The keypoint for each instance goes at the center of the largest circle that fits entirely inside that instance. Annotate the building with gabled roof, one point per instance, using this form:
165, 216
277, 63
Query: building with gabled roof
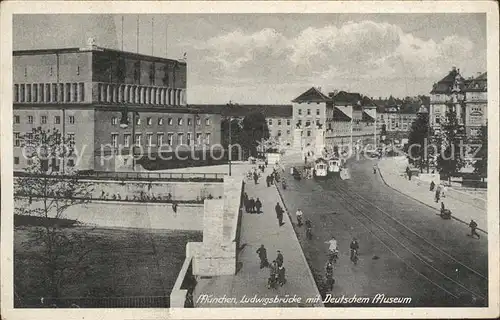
476, 102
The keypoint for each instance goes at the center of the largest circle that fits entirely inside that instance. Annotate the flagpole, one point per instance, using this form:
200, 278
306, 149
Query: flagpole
137, 37
122, 33
152, 35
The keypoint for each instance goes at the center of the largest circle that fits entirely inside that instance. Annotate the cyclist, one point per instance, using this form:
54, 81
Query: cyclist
299, 215
333, 248
329, 275
308, 229
354, 249
374, 168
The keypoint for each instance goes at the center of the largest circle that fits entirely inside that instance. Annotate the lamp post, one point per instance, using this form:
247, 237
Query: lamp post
229, 105
422, 112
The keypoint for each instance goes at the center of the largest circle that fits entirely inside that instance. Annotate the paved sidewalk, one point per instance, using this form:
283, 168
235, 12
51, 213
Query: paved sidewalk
250, 280
392, 172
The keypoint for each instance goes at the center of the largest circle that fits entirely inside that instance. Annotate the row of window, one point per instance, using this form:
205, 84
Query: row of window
270, 121
308, 112
43, 119
308, 123
29, 138
279, 133
109, 92
49, 92
149, 121
160, 139
55, 163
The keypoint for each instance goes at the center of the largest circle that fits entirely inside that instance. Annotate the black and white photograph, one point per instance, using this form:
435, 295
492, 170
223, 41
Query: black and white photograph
253, 161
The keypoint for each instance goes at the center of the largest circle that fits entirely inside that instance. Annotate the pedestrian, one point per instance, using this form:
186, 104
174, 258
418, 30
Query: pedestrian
407, 170
258, 205
409, 175
262, 168
279, 214
174, 207
265, 163
271, 281
262, 252
292, 170
443, 191
245, 196
268, 181
299, 215
438, 193
279, 258
251, 205
473, 227
272, 178
431, 188
281, 275
255, 177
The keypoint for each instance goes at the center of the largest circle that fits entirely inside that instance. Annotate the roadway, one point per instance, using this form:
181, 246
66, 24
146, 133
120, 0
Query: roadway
406, 250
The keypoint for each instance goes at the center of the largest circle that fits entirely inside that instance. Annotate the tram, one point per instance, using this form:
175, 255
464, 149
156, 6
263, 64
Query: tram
320, 168
334, 165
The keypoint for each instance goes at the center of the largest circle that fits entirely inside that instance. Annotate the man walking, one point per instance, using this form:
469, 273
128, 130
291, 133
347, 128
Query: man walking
473, 227
329, 275
299, 215
281, 275
262, 252
279, 259
279, 214
268, 181
255, 177
258, 205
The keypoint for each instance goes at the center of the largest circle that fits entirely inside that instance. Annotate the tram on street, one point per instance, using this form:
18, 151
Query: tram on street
334, 165
320, 168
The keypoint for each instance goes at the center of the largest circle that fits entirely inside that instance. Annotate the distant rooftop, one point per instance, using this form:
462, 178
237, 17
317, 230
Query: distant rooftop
241, 110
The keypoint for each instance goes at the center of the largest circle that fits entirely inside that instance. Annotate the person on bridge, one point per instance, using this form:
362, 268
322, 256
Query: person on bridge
333, 247
433, 185
279, 258
271, 281
329, 276
281, 275
374, 168
473, 227
299, 215
354, 247
279, 214
258, 205
262, 252
251, 205
255, 177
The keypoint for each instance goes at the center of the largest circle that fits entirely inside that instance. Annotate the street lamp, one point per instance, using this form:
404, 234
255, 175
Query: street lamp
422, 112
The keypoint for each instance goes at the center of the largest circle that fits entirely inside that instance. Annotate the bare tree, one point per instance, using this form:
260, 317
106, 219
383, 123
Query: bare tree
45, 190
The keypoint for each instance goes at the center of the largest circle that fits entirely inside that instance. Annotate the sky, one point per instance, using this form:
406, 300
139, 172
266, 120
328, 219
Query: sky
273, 58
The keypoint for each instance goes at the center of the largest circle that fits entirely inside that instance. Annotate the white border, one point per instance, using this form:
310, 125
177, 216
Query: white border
8, 8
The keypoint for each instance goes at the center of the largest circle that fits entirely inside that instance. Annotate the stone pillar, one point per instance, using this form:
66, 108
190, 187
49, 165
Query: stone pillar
213, 223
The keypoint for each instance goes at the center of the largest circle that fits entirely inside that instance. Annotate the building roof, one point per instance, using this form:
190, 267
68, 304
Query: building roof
366, 117
241, 110
347, 98
479, 84
338, 115
93, 49
445, 85
312, 95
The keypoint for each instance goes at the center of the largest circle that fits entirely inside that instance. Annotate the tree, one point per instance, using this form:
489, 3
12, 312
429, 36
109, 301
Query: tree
481, 165
255, 129
45, 193
450, 159
416, 139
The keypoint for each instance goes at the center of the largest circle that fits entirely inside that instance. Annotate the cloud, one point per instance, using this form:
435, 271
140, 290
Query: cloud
356, 51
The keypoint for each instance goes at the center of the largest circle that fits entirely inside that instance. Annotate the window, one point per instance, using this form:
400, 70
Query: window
188, 138
308, 123
114, 121
308, 112
308, 133
169, 121
288, 132
43, 119
149, 138
438, 120
16, 93
180, 137
270, 122
29, 162
17, 139
137, 121
17, 119
207, 138
317, 123
68, 92
21, 94
138, 139
57, 120
71, 162
28, 91
159, 139
279, 133
170, 138
179, 121
198, 121
72, 119
71, 139
317, 112
160, 121
126, 140
299, 122
198, 138
149, 121
35, 93
16, 160
279, 122
30, 119
207, 121
287, 122
300, 112
114, 140
189, 121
